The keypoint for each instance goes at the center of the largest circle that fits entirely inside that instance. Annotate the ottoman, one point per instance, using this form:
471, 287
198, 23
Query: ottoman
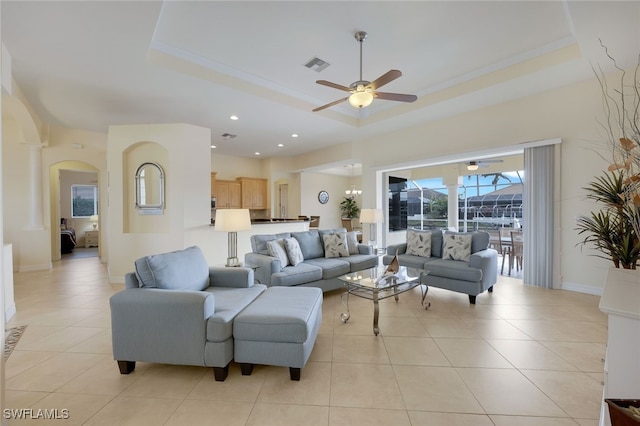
278, 328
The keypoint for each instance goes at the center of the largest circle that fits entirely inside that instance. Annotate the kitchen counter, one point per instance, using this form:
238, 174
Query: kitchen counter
270, 220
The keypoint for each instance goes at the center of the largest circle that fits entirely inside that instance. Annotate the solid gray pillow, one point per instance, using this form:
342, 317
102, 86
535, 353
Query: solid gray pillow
352, 242
310, 243
177, 270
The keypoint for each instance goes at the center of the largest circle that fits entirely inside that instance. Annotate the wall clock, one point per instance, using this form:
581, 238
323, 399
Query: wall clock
323, 197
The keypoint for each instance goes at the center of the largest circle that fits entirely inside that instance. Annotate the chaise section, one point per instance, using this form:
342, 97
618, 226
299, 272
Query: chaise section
279, 328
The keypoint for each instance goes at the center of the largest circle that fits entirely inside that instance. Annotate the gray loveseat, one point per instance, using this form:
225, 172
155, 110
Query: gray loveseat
175, 309
316, 269
472, 276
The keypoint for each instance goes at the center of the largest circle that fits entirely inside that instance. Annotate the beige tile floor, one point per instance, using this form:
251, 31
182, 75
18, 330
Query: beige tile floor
521, 356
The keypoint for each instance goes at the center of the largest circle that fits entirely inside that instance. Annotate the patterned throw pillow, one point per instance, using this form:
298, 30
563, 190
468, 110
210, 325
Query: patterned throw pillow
352, 242
276, 249
456, 246
335, 245
293, 251
419, 243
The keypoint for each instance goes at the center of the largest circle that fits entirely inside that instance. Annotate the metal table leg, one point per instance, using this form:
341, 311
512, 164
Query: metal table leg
376, 310
345, 315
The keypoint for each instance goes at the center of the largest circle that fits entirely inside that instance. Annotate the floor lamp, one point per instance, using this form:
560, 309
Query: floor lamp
232, 221
372, 217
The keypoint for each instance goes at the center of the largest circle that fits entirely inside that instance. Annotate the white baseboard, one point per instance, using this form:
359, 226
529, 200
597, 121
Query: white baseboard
581, 288
9, 312
32, 268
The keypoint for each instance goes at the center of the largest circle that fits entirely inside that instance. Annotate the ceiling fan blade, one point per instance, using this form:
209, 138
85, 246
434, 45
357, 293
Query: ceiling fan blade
330, 104
334, 85
396, 97
388, 77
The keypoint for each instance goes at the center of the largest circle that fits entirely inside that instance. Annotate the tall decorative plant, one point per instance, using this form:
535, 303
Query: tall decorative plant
615, 228
349, 208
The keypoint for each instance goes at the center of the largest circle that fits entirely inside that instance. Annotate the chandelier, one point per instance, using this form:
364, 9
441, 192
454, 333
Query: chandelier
353, 192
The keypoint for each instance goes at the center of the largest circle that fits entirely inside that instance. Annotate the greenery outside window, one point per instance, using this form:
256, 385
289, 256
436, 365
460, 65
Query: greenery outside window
84, 200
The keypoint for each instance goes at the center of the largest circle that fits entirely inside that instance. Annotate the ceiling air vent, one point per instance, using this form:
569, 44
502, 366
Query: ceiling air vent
316, 64
226, 136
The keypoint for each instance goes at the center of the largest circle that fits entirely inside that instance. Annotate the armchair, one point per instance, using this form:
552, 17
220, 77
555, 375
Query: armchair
175, 309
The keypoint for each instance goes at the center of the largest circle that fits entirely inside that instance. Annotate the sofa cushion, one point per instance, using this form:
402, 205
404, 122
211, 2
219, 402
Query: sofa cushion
259, 242
453, 270
335, 245
331, 267
479, 240
456, 246
177, 270
294, 253
310, 243
352, 242
277, 249
359, 262
300, 274
419, 243
410, 260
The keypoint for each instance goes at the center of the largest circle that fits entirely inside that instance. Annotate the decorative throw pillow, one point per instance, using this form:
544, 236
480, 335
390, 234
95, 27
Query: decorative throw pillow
456, 246
419, 243
335, 245
276, 249
352, 242
294, 253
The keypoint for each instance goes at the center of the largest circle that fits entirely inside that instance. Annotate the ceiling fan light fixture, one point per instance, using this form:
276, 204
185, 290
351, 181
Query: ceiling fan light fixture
472, 166
360, 99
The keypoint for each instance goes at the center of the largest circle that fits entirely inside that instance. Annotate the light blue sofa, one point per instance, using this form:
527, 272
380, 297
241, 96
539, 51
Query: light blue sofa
477, 275
175, 309
316, 270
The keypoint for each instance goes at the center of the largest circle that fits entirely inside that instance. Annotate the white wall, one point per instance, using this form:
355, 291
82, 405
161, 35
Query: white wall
187, 182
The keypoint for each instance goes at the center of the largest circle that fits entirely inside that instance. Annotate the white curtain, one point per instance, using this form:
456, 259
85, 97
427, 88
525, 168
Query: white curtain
538, 216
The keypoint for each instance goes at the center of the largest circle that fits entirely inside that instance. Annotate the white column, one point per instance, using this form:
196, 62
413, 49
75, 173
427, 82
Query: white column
35, 187
452, 206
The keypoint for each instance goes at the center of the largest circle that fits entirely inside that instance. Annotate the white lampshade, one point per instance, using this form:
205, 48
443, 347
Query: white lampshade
371, 216
360, 99
232, 220
94, 218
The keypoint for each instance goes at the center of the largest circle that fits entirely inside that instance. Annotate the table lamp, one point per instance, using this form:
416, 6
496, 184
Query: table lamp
94, 221
372, 217
232, 221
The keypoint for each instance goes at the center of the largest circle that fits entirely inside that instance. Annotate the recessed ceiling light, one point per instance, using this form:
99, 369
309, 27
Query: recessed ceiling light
280, 145
213, 146
257, 153
294, 135
234, 117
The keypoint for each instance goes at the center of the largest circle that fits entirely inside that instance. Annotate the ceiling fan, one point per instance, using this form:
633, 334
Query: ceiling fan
362, 91
474, 165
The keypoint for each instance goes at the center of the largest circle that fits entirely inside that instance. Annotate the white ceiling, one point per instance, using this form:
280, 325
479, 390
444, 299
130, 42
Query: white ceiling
91, 64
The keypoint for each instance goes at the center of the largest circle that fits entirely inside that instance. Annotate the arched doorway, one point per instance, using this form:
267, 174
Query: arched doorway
65, 178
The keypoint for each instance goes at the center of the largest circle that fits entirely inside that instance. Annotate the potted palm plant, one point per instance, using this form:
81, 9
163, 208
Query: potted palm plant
615, 228
349, 208
611, 229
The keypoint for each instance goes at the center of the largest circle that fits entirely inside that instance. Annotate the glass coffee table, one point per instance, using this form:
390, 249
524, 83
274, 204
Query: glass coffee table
371, 284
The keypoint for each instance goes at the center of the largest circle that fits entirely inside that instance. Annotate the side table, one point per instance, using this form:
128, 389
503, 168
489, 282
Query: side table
91, 239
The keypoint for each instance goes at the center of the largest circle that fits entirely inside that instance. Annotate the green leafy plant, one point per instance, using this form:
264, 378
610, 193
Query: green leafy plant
611, 229
349, 208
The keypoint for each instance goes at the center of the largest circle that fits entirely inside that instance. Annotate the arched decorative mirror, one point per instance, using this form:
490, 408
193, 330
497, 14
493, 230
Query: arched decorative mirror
150, 189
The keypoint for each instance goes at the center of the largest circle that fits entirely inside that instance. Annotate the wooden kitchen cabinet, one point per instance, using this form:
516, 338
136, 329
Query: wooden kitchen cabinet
254, 193
213, 184
228, 194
